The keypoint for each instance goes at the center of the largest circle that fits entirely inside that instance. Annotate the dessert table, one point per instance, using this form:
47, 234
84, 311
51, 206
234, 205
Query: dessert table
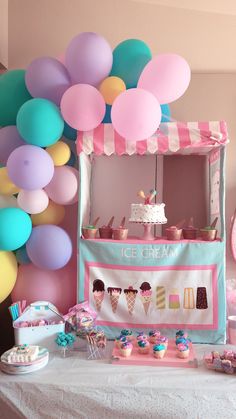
75, 387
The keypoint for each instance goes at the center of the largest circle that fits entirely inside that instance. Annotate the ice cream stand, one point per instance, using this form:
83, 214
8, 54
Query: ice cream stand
141, 283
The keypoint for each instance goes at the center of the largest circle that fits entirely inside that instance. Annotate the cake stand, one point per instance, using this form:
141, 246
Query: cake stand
147, 234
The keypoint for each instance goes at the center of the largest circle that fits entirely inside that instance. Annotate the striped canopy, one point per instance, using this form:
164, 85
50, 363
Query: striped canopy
170, 138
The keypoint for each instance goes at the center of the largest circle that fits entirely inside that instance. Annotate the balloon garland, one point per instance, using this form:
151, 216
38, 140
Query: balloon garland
41, 110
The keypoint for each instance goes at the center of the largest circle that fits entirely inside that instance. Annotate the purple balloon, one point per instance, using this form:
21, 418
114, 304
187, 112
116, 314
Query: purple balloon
47, 78
30, 167
9, 140
88, 58
49, 247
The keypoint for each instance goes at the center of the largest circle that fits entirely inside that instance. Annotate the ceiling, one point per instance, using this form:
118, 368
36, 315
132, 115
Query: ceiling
226, 7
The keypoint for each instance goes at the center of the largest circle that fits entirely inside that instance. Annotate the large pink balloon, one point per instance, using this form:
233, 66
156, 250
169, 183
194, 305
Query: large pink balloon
88, 58
63, 188
83, 107
58, 287
167, 76
136, 114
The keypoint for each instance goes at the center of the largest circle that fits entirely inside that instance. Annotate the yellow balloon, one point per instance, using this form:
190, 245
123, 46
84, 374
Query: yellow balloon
8, 273
7, 187
110, 88
53, 214
59, 152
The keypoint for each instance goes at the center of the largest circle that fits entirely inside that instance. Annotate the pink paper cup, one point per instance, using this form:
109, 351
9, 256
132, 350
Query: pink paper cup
232, 329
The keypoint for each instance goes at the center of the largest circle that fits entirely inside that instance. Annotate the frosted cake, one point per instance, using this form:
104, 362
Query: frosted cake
23, 353
148, 212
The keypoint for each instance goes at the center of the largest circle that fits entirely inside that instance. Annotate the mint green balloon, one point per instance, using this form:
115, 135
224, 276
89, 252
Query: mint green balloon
129, 60
13, 93
39, 122
15, 228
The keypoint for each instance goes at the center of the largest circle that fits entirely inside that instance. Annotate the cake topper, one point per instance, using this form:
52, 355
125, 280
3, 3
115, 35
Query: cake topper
147, 199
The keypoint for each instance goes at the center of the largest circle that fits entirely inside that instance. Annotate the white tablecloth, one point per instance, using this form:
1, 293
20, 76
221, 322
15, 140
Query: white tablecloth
74, 387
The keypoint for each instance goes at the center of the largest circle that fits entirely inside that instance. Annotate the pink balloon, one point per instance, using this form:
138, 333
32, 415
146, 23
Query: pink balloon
136, 114
83, 107
167, 76
63, 188
58, 287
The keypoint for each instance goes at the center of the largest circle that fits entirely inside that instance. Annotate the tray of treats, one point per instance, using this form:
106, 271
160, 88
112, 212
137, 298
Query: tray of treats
225, 362
154, 350
22, 359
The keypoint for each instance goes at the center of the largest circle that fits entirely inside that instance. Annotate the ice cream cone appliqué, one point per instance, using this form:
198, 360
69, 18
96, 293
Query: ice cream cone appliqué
130, 295
114, 297
98, 293
146, 296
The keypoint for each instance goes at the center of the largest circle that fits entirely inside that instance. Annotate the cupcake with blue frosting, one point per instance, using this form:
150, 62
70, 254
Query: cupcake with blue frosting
159, 351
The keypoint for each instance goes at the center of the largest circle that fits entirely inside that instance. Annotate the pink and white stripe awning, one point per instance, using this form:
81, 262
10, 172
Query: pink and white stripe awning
170, 138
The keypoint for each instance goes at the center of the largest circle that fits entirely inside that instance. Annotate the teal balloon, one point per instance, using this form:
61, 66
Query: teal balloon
71, 162
22, 257
165, 112
69, 132
107, 117
15, 228
39, 122
129, 59
13, 94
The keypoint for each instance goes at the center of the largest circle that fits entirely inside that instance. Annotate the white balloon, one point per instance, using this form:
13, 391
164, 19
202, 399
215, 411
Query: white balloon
8, 201
33, 202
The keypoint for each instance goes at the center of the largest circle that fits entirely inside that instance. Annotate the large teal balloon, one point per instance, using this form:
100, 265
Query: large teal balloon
13, 93
129, 59
15, 228
70, 132
39, 122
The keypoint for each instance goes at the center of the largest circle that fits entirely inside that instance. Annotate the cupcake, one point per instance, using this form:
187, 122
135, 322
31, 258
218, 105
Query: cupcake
141, 336
127, 333
119, 340
182, 351
162, 340
126, 349
159, 351
106, 231
154, 335
173, 233
143, 346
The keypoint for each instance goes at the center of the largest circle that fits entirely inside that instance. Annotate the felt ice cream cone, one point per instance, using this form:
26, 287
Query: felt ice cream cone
130, 295
146, 301
98, 293
146, 296
114, 297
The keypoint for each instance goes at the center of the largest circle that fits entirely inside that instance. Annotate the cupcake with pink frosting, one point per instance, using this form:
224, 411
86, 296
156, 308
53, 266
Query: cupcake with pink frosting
182, 351
126, 349
141, 336
154, 335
